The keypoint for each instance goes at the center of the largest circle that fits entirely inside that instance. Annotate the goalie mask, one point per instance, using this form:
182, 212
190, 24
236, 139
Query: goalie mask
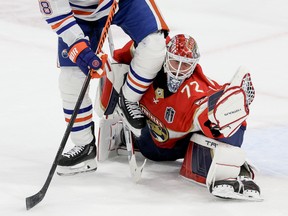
181, 59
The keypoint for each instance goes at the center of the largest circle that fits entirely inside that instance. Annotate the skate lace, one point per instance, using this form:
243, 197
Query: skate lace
133, 109
74, 151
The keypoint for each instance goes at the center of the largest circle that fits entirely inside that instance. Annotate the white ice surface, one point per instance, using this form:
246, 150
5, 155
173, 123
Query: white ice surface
229, 33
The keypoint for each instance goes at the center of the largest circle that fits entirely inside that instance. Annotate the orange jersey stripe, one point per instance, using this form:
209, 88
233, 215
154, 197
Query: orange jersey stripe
79, 12
80, 119
163, 23
55, 26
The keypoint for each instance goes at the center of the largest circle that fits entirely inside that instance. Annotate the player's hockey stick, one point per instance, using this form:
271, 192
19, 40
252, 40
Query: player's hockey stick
36, 198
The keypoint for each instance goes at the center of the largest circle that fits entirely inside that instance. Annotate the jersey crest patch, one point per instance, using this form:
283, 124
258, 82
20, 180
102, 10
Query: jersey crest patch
157, 129
169, 114
159, 133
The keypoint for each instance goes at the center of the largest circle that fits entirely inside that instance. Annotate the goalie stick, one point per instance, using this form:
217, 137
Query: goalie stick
36, 198
135, 171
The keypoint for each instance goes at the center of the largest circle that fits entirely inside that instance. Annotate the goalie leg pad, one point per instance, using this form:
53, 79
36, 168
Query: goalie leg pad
226, 163
108, 137
229, 176
225, 179
196, 163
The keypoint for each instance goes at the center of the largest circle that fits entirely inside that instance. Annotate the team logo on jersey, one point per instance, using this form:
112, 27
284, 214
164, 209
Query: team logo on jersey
64, 53
169, 114
159, 133
157, 129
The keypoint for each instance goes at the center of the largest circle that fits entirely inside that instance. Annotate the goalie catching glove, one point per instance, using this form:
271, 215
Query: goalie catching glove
229, 108
81, 54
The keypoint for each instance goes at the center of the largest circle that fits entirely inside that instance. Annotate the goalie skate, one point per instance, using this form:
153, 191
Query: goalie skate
241, 189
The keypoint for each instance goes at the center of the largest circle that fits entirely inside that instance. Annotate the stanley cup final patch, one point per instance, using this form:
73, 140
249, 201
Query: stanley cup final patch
169, 114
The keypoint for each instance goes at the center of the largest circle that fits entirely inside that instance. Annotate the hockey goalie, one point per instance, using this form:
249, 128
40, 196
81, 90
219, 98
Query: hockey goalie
188, 116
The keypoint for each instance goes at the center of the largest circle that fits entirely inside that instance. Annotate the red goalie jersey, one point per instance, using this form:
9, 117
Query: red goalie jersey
199, 104
173, 116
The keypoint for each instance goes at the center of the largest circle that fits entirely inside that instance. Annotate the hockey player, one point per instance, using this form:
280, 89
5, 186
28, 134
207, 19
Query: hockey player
78, 25
193, 117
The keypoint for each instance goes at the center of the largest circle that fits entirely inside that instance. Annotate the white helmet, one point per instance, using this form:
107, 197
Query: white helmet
181, 59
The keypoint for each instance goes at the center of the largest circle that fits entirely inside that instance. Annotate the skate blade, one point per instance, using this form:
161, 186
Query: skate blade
83, 167
237, 196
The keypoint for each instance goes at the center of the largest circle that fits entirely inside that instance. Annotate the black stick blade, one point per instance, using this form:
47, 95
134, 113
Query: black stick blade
34, 200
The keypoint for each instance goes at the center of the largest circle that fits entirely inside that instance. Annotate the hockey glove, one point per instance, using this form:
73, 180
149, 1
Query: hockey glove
81, 54
101, 71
